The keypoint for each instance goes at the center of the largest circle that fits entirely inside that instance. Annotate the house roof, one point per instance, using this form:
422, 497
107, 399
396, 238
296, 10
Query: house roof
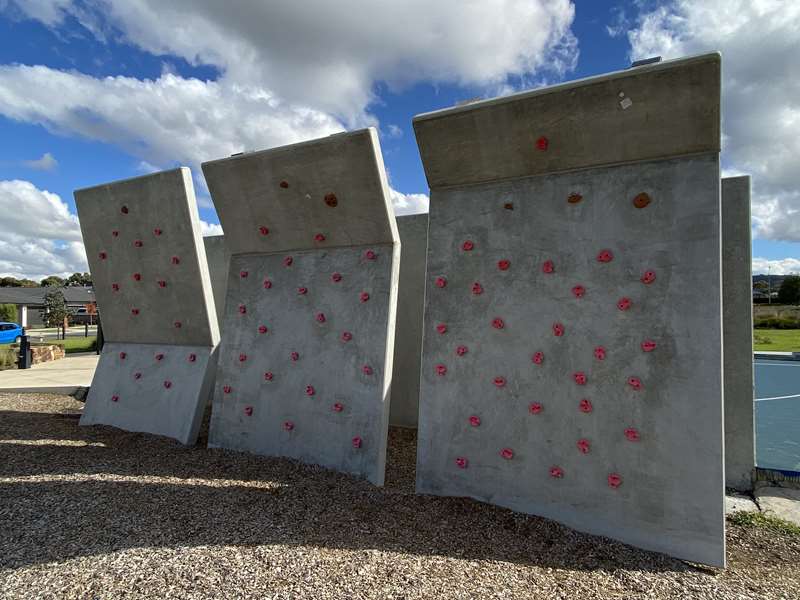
76, 295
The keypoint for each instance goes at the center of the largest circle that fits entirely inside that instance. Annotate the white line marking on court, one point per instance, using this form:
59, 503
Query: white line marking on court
778, 398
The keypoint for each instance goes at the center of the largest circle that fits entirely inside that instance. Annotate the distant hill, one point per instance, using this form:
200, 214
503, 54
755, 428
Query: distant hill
775, 280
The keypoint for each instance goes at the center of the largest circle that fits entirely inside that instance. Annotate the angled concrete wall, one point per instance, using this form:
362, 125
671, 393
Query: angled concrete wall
148, 264
218, 261
306, 357
737, 327
572, 363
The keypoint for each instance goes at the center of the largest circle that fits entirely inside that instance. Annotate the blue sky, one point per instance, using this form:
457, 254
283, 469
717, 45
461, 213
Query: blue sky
97, 90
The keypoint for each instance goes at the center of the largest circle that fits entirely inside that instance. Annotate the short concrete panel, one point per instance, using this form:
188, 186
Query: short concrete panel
306, 357
218, 258
572, 360
737, 327
148, 263
410, 309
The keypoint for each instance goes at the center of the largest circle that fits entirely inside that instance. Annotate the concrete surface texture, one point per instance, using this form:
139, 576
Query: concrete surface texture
218, 259
148, 263
63, 376
306, 357
781, 502
572, 363
410, 309
737, 330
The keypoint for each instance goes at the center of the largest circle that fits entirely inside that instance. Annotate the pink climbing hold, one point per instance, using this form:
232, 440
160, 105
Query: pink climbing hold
632, 434
624, 303
507, 453
535, 408
103, 255
310, 391
583, 446
346, 336
319, 237
556, 472
498, 323
134, 311
441, 370
504, 264
248, 410
600, 353
467, 245
461, 350
175, 260
363, 296
122, 355
287, 262
366, 369
115, 398
262, 329
462, 462
441, 282
157, 231
243, 274
115, 287
242, 309
475, 421
580, 378
337, 407
192, 357
648, 277
177, 324
263, 230
548, 267
302, 291
124, 210
605, 256
288, 425
137, 276
137, 375
635, 383
242, 357
138, 243
477, 288
159, 356
370, 255
537, 358
357, 442
499, 381
585, 406
579, 291
268, 376
267, 284
295, 356
558, 329
441, 328
115, 233
614, 480
648, 346
320, 317
226, 389
542, 143
162, 283
336, 277
167, 384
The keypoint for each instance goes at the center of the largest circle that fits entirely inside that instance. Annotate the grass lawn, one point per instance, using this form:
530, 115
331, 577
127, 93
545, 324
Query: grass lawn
777, 340
77, 344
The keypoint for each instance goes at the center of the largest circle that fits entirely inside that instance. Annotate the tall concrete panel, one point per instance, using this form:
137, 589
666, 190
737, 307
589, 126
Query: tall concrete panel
572, 342
737, 329
218, 261
306, 357
148, 264
410, 309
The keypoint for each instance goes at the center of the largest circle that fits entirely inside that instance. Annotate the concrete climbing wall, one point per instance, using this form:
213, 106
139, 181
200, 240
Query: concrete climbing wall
306, 358
218, 261
572, 362
410, 308
148, 264
737, 327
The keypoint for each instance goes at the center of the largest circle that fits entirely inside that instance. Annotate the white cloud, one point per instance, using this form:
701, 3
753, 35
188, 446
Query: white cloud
409, 204
208, 229
39, 236
46, 163
780, 266
393, 131
760, 42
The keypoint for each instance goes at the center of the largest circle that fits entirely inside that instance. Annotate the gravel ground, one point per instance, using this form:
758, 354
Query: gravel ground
100, 513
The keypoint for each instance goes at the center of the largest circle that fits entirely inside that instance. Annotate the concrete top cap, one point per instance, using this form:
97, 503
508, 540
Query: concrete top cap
662, 110
325, 193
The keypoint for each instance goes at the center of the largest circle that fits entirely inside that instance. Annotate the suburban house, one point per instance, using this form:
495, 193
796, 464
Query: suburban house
30, 301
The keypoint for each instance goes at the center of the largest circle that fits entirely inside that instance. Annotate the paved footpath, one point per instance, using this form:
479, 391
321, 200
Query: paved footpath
63, 376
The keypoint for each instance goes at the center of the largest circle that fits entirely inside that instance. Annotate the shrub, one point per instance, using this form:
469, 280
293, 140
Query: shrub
8, 358
8, 312
773, 322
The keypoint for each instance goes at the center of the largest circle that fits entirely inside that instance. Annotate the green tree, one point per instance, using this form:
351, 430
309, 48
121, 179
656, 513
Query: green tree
14, 282
789, 293
79, 279
55, 309
761, 286
8, 313
52, 281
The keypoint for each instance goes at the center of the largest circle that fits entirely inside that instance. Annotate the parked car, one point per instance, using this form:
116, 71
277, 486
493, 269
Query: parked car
10, 333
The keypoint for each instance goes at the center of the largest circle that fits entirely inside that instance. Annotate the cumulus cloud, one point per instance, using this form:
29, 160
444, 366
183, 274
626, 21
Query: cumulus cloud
409, 204
39, 236
781, 266
209, 229
46, 163
760, 42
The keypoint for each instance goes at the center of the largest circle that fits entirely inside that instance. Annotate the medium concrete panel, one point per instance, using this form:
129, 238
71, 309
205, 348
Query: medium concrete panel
306, 358
410, 309
218, 260
572, 343
737, 326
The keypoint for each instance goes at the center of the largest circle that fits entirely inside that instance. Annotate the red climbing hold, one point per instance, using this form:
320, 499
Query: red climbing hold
175, 260
366, 369
115, 233
556, 472
302, 291
580, 378
498, 323
467, 245
319, 237
331, 200
579, 291
115, 398
600, 353
614, 480
124, 210
167, 384
370, 255
284, 184
295, 356
159, 356
243, 274
134, 311
477, 288
226, 389
624, 303
192, 357
336, 277
475, 421
635, 383
632, 434
242, 357
441, 282
503, 265
287, 262
648, 346
585, 406
605, 256
103, 255
320, 318
441, 328
441, 370
558, 329
548, 267
267, 284
338, 407
177, 324
263, 230
357, 442
583, 446
535, 408
461, 350
648, 277
248, 410
242, 309
157, 231
115, 287
346, 336
138, 244
268, 376
310, 391
122, 355
537, 358
137, 375
137, 276
542, 143
262, 329
499, 381
363, 296
507, 453
462, 462
288, 425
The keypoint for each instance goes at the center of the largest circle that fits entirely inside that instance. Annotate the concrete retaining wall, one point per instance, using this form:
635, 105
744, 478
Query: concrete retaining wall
146, 255
218, 260
737, 325
572, 363
306, 358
